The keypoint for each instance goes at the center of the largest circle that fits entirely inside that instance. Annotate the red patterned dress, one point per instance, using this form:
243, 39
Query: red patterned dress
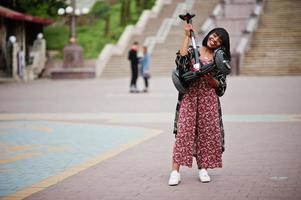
199, 130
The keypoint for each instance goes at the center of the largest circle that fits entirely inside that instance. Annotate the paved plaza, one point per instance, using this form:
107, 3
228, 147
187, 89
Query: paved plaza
92, 139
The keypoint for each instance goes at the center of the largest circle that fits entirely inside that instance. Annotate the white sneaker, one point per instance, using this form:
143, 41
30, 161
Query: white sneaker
203, 175
174, 178
133, 89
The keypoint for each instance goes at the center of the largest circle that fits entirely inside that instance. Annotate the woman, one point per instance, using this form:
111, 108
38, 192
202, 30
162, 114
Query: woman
145, 69
198, 124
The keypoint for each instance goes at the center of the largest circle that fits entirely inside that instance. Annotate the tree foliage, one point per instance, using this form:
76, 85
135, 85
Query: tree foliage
125, 14
102, 10
143, 5
130, 13
41, 8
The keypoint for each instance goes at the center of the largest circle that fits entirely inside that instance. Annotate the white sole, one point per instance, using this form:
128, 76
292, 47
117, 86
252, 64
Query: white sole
174, 184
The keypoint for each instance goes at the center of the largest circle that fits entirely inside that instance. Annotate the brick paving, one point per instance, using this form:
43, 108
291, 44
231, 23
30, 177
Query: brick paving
262, 124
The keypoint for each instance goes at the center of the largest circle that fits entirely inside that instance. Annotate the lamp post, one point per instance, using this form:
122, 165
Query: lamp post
73, 53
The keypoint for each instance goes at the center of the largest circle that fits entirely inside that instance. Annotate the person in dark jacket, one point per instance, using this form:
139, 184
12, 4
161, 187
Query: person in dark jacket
134, 59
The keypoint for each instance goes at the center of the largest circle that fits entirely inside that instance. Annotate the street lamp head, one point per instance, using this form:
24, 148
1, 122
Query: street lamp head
12, 39
69, 10
40, 36
85, 11
61, 11
77, 12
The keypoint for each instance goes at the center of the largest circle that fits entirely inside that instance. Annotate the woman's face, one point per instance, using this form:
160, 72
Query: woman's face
214, 41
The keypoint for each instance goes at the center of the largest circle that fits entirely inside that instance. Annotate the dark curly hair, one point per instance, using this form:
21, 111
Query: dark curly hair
224, 35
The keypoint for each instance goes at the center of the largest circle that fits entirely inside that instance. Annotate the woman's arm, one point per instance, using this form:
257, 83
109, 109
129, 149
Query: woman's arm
185, 54
184, 49
212, 81
218, 83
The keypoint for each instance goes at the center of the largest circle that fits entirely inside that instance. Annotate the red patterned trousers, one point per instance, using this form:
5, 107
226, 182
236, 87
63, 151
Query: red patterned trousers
199, 132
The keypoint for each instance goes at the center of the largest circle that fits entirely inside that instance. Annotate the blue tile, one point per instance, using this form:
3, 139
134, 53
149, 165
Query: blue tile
66, 146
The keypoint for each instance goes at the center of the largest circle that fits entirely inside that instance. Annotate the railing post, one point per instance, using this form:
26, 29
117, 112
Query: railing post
235, 64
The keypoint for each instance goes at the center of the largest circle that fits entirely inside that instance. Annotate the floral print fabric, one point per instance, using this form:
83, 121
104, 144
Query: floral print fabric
199, 130
198, 123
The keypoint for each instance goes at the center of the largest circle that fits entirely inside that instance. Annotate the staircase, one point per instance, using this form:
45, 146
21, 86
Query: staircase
163, 55
118, 65
276, 45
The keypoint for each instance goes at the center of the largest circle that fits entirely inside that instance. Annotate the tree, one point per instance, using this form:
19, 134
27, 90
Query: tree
125, 16
102, 10
41, 8
148, 4
139, 6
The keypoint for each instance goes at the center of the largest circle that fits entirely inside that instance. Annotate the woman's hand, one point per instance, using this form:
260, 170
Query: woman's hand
211, 80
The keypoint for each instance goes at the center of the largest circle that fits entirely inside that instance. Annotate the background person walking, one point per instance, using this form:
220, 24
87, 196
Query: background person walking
134, 60
145, 68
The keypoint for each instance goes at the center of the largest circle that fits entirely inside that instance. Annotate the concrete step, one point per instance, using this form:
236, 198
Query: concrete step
163, 56
268, 71
150, 30
275, 49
